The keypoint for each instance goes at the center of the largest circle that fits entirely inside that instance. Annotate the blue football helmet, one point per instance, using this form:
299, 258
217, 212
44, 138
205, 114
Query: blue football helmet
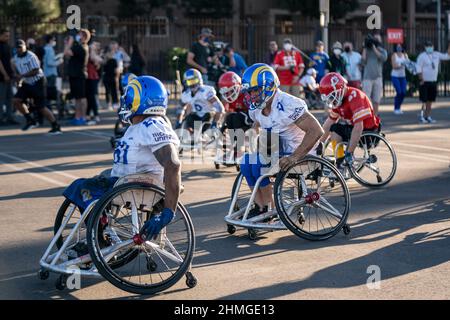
144, 95
259, 84
192, 79
126, 78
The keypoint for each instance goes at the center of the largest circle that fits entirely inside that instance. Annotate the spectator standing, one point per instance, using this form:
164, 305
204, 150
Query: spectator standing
31, 85
337, 63
398, 76
6, 74
271, 54
78, 52
373, 58
233, 61
428, 70
200, 55
289, 66
50, 66
137, 62
353, 66
320, 60
93, 77
111, 76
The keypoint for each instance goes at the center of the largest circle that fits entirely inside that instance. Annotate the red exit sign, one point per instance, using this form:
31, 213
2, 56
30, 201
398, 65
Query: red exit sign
395, 36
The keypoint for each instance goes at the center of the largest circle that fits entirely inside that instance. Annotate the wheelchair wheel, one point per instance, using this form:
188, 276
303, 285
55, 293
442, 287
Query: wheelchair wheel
312, 199
172, 251
375, 161
244, 192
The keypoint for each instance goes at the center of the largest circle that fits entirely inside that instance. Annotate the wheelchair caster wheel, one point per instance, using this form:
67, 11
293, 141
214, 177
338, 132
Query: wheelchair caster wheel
252, 234
217, 166
151, 265
346, 229
231, 229
191, 281
61, 282
43, 274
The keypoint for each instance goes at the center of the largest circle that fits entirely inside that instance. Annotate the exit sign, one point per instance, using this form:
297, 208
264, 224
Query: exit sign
395, 36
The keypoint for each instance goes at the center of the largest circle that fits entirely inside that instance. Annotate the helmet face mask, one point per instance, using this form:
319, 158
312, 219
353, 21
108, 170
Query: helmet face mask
255, 98
230, 86
193, 80
230, 94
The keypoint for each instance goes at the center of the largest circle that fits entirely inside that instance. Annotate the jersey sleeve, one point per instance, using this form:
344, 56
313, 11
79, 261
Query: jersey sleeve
360, 107
186, 97
291, 109
209, 92
157, 133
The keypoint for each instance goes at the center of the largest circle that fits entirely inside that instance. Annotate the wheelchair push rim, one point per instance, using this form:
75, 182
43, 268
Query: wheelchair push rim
158, 263
312, 199
375, 161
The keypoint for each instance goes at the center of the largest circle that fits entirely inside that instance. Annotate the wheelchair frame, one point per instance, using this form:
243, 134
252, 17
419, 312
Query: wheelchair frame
59, 263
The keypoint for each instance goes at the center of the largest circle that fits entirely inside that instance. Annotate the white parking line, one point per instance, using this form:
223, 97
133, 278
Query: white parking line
420, 146
35, 165
417, 156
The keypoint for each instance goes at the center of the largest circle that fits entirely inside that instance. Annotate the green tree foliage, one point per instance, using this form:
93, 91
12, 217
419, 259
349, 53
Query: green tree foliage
39, 9
310, 8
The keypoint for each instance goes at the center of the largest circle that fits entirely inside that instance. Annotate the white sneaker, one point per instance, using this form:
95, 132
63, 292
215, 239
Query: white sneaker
91, 123
97, 119
430, 120
422, 120
398, 112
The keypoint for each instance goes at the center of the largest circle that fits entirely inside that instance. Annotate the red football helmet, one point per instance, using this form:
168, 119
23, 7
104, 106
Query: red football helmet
333, 87
230, 86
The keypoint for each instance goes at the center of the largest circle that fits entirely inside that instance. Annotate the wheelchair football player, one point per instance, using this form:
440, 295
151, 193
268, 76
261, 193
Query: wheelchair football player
128, 226
287, 186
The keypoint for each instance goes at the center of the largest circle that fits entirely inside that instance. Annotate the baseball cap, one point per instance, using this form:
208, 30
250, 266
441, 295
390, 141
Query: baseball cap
319, 43
20, 43
206, 32
428, 43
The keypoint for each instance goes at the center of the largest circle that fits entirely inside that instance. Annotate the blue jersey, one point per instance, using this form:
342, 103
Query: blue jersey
320, 63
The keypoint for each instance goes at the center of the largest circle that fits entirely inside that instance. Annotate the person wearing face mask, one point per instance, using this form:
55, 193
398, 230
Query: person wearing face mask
353, 66
50, 66
201, 54
398, 76
373, 58
289, 66
428, 70
337, 62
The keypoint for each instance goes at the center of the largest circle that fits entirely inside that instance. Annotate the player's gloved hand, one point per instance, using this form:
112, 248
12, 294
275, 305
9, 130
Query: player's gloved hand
349, 158
154, 226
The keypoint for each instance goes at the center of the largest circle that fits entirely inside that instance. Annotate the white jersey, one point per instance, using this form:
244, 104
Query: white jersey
135, 151
200, 101
286, 110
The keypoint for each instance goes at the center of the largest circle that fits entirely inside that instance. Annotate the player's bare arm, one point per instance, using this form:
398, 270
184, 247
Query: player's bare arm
167, 156
313, 131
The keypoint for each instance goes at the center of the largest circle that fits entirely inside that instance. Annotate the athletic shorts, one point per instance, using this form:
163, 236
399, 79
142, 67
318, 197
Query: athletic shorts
345, 130
77, 87
193, 117
34, 91
428, 92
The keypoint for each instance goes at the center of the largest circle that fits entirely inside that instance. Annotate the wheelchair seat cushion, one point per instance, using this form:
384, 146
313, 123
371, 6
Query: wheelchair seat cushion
83, 192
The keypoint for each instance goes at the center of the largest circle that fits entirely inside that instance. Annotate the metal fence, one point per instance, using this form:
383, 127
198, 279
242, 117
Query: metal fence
157, 36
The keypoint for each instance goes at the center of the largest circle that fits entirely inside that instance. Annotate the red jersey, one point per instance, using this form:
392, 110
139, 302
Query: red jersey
238, 105
293, 59
356, 107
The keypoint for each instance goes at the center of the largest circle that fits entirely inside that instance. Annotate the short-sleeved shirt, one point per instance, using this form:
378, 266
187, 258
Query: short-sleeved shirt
320, 63
201, 54
356, 107
5, 58
425, 63
292, 59
200, 100
353, 62
77, 67
27, 63
286, 110
135, 151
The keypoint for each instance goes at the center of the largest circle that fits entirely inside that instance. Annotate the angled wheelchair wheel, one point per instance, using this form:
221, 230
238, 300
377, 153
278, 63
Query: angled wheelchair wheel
68, 208
375, 161
312, 199
113, 233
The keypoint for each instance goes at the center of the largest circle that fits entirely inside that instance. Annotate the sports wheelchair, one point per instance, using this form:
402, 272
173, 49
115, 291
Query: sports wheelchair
375, 161
311, 200
103, 240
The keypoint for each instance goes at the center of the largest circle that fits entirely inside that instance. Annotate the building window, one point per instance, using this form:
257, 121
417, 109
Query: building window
284, 24
158, 27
